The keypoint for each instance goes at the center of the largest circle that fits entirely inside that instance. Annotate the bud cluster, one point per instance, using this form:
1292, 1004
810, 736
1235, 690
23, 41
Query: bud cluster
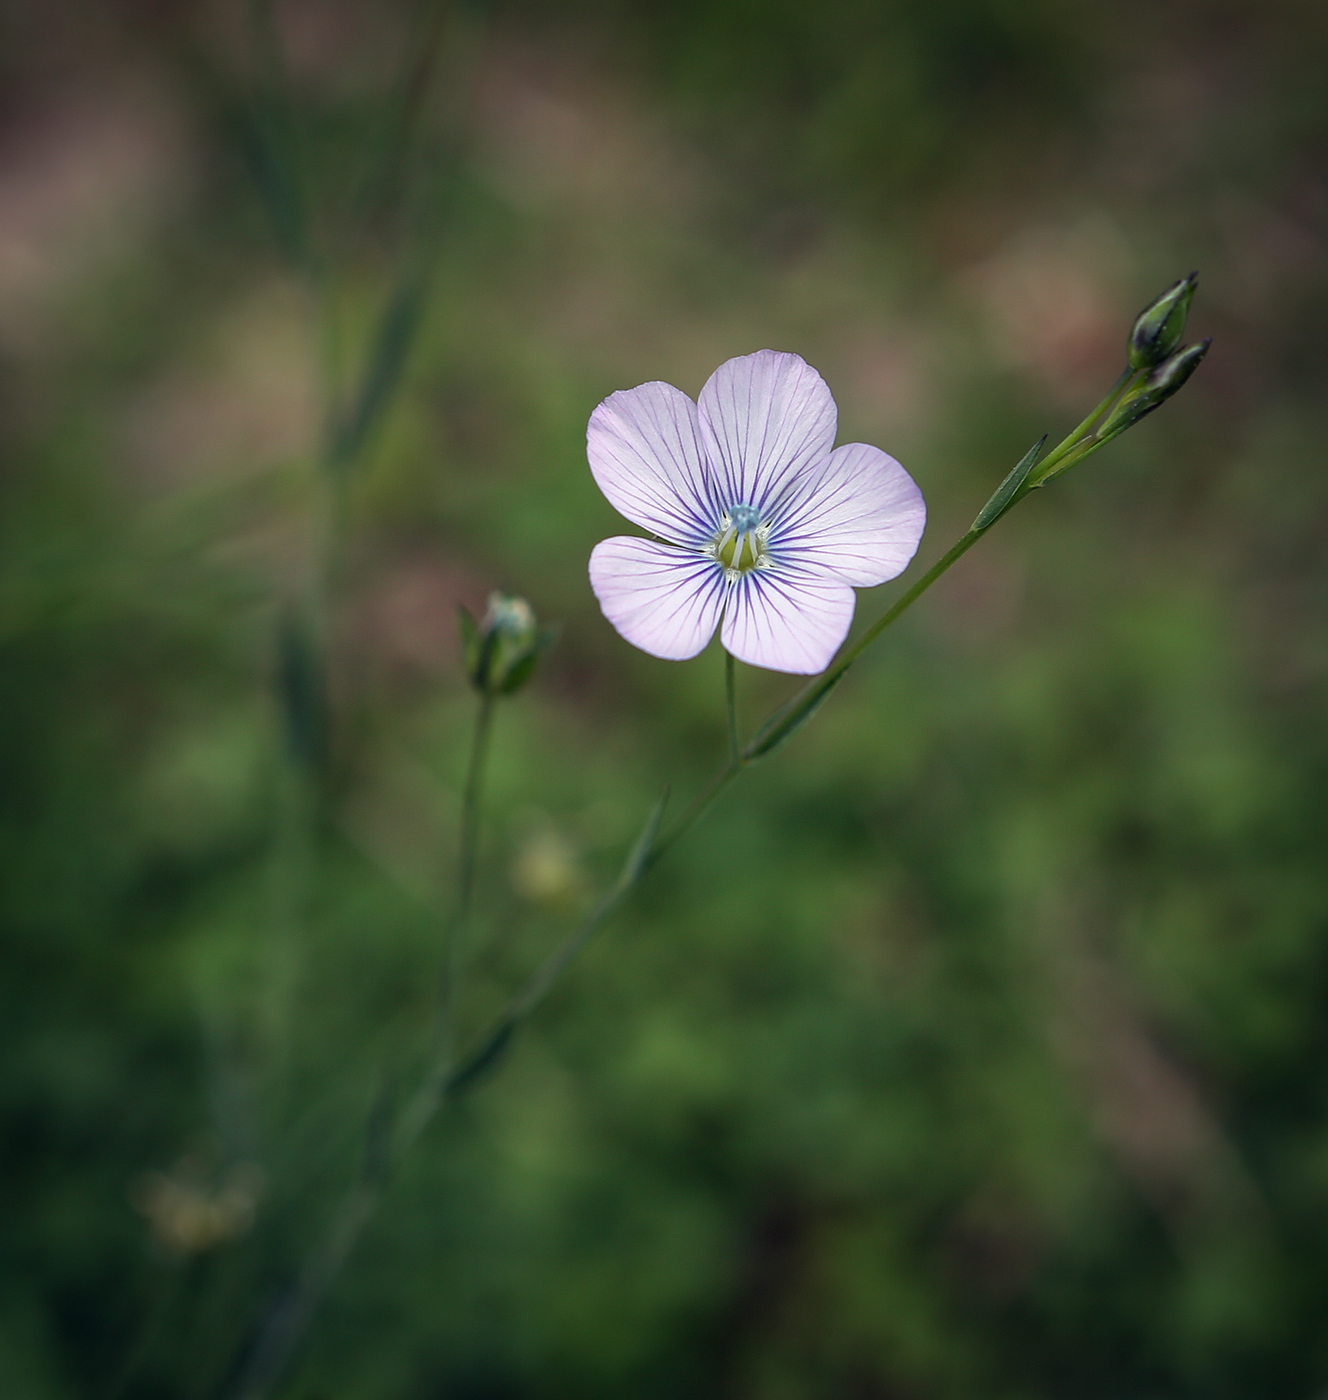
1153, 391
1156, 370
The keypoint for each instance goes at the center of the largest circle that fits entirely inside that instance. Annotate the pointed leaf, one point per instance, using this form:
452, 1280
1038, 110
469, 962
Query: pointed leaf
522, 667
639, 856
1000, 501
784, 727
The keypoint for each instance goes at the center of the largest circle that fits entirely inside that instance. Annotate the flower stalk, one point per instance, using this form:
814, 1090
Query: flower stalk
731, 704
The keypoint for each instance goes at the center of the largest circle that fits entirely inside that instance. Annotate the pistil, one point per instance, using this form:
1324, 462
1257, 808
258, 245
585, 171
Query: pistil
739, 547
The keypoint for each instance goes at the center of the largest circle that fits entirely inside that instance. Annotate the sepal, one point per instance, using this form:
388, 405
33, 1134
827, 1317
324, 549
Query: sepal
1159, 326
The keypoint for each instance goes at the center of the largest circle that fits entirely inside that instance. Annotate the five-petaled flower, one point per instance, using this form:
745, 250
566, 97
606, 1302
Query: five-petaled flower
760, 520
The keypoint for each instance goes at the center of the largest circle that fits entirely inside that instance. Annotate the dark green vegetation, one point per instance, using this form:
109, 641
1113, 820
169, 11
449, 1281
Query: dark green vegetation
977, 1044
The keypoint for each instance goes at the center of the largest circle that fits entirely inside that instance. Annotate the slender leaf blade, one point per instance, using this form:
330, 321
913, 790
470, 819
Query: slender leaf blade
1004, 494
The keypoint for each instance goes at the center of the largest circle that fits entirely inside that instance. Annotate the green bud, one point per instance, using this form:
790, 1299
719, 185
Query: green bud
1159, 326
504, 647
1159, 385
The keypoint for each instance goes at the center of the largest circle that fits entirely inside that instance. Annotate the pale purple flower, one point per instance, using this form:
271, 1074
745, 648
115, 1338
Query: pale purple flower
760, 520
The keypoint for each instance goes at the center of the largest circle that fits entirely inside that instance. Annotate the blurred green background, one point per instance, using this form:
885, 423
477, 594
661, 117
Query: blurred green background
977, 1045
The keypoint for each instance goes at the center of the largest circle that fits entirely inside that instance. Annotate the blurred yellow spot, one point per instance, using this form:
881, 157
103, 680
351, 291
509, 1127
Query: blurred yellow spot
545, 870
188, 1214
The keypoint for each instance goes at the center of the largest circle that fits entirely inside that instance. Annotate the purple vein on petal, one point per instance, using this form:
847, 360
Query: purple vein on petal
787, 619
646, 455
859, 516
664, 600
765, 418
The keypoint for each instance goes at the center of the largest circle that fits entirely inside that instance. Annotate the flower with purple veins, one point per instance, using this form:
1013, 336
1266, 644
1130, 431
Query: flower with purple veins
760, 521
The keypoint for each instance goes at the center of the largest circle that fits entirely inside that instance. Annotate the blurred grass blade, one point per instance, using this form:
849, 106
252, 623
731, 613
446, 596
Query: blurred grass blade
1005, 492
302, 687
382, 376
270, 144
377, 1159
261, 140
390, 154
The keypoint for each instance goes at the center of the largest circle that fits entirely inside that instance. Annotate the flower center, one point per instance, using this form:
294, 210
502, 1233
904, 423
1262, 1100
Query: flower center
739, 546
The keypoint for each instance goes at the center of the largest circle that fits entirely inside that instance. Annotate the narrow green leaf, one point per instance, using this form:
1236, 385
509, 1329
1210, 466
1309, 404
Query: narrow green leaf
639, 856
270, 145
263, 150
784, 727
1000, 501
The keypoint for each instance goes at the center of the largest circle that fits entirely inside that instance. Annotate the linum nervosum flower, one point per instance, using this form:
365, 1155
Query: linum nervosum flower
760, 522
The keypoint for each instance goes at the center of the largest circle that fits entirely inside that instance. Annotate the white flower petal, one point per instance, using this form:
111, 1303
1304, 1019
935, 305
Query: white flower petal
860, 516
765, 418
646, 455
787, 619
665, 601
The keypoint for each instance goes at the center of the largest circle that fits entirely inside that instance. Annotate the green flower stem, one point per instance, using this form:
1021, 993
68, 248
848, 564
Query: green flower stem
731, 701
467, 848
1117, 389
1056, 457
650, 851
701, 804
795, 712
445, 1078
470, 807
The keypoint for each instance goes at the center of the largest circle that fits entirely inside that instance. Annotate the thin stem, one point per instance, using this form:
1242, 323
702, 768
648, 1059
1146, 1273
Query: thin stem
467, 848
892, 614
470, 808
814, 691
701, 804
1072, 439
731, 701
289, 1316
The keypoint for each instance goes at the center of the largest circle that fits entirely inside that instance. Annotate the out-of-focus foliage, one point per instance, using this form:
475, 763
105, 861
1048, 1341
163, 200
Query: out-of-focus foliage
977, 1045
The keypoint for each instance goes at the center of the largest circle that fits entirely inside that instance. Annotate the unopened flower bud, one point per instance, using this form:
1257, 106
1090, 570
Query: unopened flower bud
1159, 385
1159, 326
504, 647
511, 618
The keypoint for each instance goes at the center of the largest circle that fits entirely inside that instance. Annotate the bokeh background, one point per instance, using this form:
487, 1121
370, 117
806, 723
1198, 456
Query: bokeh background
977, 1045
